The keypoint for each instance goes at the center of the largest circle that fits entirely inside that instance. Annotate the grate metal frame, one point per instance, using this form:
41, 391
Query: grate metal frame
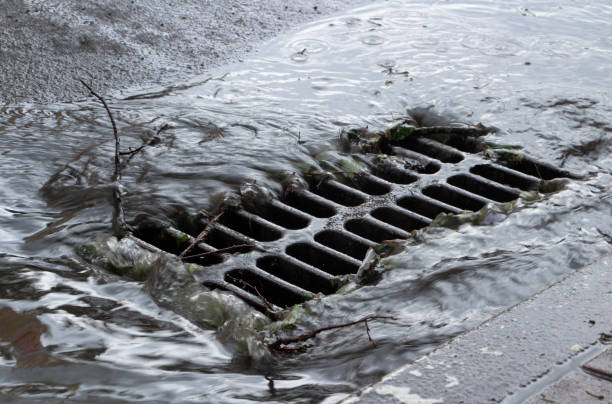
300, 244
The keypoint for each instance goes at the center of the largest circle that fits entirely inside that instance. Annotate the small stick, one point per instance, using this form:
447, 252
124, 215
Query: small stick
278, 344
131, 153
265, 301
117, 174
368, 332
219, 251
120, 228
201, 236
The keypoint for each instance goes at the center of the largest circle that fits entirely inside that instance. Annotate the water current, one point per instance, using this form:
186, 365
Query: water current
540, 74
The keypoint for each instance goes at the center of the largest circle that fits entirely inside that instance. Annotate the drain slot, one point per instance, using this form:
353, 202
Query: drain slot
367, 184
297, 275
466, 144
250, 225
281, 215
433, 149
219, 238
255, 284
471, 184
322, 259
338, 193
373, 231
425, 207
397, 218
416, 162
394, 174
527, 165
454, 197
344, 243
312, 204
505, 176
175, 242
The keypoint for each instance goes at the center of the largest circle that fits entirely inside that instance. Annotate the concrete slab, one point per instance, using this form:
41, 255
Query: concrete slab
601, 365
510, 356
573, 389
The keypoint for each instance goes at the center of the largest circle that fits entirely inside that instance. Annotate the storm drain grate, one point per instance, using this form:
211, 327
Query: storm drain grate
289, 249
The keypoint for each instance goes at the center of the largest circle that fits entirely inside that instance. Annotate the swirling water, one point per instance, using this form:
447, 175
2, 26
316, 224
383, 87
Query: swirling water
541, 75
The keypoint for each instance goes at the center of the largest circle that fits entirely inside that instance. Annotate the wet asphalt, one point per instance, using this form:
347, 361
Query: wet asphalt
120, 44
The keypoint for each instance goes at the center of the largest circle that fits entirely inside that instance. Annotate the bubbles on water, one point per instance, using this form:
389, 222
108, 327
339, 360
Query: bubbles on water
300, 57
425, 42
306, 47
559, 47
373, 40
351, 21
493, 45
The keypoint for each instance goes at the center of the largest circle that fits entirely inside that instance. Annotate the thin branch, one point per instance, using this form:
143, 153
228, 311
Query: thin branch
278, 344
117, 174
368, 332
219, 251
201, 236
144, 144
120, 228
244, 283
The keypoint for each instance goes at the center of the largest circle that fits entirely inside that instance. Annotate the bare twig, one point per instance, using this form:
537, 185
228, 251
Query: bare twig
244, 283
219, 251
278, 344
144, 144
117, 173
119, 225
368, 332
201, 236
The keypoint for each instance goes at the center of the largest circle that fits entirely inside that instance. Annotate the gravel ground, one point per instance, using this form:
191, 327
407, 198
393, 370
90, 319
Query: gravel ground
44, 44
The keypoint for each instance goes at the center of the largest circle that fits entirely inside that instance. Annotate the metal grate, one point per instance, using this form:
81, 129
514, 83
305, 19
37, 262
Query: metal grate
295, 247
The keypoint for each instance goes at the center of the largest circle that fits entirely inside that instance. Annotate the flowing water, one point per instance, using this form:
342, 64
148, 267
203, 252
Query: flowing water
541, 75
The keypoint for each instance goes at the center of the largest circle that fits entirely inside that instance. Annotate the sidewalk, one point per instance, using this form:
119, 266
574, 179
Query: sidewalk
555, 347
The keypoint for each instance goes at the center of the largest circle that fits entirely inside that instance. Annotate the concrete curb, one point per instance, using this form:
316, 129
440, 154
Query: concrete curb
514, 355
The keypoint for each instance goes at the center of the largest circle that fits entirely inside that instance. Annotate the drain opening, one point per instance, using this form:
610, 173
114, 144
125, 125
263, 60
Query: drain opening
174, 242
338, 193
278, 214
295, 274
394, 174
468, 144
504, 176
424, 207
219, 238
527, 165
322, 259
343, 243
433, 149
249, 225
309, 203
415, 161
453, 197
397, 218
367, 184
255, 284
372, 230
476, 186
